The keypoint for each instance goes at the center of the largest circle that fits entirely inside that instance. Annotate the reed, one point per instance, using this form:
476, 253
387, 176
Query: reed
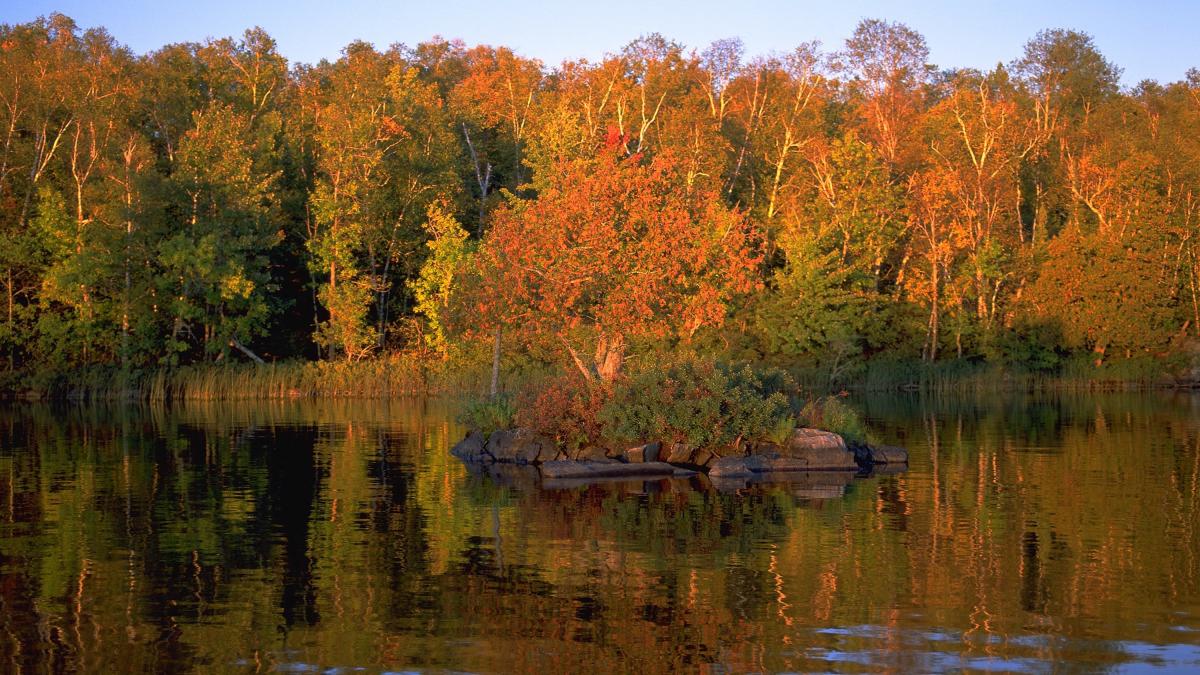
385, 377
960, 377
411, 373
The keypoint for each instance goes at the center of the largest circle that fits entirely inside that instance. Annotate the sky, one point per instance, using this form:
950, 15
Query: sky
1152, 39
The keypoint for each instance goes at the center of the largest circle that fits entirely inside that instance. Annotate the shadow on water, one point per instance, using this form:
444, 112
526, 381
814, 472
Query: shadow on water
1030, 532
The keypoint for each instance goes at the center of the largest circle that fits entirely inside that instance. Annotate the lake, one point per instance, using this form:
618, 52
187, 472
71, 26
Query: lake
1029, 533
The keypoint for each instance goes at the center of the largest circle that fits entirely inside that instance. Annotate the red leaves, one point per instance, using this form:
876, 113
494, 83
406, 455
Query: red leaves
618, 245
614, 138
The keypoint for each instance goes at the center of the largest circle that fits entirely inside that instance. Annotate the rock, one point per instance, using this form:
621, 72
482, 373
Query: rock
730, 483
888, 454
501, 444
471, 449
643, 453
703, 457
520, 446
805, 439
727, 467
679, 454
862, 454
732, 467
814, 449
764, 448
1189, 374
572, 469
770, 463
592, 453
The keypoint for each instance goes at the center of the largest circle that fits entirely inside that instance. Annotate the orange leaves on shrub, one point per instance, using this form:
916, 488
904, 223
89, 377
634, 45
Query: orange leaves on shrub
563, 408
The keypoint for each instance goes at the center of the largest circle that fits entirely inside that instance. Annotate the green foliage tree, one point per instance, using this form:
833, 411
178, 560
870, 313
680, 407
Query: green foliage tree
433, 288
214, 261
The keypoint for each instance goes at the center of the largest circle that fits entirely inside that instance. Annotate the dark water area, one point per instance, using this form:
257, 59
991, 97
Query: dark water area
1029, 534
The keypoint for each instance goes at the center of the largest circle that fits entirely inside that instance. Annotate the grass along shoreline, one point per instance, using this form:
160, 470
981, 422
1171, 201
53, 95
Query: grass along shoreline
407, 374
385, 377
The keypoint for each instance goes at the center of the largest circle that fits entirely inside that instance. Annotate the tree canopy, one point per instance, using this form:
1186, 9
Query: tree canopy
210, 201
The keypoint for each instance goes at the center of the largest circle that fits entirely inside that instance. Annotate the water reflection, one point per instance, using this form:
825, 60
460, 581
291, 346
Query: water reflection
1028, 532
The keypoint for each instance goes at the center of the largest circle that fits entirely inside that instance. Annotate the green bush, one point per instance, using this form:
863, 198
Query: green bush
784, 426
831, 414
489, 414
696, 402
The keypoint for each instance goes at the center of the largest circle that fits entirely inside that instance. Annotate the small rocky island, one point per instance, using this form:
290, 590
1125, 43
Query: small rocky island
804, 450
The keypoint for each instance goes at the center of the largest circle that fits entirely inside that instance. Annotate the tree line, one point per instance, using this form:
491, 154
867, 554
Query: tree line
210, 201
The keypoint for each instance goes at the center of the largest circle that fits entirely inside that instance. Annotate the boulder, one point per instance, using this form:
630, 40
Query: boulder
804, 439
735, 467
764, 448
471, 449
679, 453
888, 454
592, 453
501, 444
862, 454
703, 457
520, 446
560, 469
769, 463
814, 450
643, 453
728, 467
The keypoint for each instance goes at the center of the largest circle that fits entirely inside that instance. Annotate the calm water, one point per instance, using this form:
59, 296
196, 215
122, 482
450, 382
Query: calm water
1030, 534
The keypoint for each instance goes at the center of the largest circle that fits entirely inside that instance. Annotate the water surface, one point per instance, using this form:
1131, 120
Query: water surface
1030, 533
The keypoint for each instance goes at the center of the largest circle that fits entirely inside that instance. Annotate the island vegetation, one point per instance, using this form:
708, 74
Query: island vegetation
208, 220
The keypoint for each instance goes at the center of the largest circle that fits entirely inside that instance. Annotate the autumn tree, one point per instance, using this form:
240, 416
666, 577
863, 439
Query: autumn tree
1172, 113
887, 65
612, 251
840, 248
1066, 78
39, 66
933, 219
496, 100
777, 106
1098, 296
657, 96
979, 139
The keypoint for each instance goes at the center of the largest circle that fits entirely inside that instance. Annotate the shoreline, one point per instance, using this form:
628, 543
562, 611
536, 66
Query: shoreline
961, 386
411, 374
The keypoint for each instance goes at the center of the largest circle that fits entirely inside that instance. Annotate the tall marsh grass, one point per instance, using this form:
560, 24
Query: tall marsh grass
385, 377
960, 377
406, 373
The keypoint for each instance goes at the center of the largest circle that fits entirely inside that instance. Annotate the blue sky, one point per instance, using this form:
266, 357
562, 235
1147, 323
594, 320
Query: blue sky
1151, 39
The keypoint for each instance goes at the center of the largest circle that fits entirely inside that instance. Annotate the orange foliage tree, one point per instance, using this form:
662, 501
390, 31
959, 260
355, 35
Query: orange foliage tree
614, 249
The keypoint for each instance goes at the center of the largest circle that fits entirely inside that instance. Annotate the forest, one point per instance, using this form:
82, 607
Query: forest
828, 210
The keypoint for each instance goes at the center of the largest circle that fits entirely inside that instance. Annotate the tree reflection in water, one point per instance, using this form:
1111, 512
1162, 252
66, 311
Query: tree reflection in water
1028, 530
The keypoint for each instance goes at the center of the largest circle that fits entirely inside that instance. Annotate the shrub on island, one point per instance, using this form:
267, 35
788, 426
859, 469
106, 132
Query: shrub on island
683, 412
